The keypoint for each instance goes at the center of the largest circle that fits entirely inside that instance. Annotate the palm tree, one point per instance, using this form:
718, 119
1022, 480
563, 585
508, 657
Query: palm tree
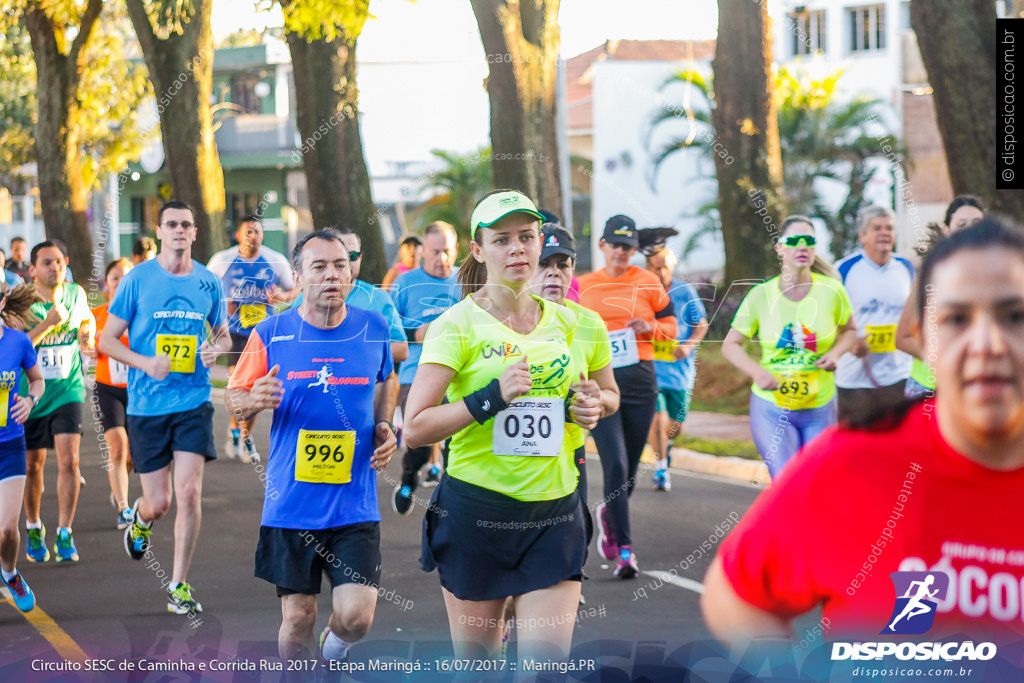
821, 138
458, 185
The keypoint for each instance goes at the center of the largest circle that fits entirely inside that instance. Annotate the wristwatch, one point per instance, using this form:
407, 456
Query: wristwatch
390, 426
34, 399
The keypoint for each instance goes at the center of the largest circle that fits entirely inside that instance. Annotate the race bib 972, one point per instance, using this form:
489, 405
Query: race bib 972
181, 348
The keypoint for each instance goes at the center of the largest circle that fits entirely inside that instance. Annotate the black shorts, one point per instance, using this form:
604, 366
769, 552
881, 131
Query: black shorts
112, 403
154, 438
486, 545
238, 342
295, 560
65, 419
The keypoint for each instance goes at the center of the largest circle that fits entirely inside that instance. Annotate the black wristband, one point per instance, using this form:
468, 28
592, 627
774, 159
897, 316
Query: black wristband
485, 403
568, 402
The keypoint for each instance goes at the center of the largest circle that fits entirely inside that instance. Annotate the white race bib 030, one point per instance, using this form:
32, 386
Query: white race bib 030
55, 362
624, 348
530, 426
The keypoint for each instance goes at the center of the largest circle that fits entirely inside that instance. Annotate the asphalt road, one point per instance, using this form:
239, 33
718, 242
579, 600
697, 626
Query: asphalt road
112, 609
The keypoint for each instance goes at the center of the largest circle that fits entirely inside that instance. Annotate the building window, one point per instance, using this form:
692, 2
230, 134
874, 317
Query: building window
867, 28
240, 205
808, 32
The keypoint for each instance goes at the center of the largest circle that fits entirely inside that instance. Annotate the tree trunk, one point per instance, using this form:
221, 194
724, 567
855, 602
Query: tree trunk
963, 82
63, 193
522, 41
747, 127
327, 116
181, 70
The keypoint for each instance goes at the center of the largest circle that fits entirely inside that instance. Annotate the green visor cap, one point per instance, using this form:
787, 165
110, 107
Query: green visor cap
493, 208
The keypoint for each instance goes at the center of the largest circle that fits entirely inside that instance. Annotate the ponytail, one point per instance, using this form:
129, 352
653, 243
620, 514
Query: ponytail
17, 312
472, 275
823, 267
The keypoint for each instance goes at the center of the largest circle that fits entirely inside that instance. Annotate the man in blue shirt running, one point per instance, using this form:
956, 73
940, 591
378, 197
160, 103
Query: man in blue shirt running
166, 304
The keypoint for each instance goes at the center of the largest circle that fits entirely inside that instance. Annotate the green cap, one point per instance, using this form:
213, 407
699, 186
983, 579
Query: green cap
493, 208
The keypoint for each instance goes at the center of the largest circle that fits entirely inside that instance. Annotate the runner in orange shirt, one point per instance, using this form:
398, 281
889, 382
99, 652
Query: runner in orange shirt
110, 401
637, 310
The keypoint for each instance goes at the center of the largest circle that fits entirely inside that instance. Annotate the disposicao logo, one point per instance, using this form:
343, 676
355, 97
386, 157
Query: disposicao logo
917, 597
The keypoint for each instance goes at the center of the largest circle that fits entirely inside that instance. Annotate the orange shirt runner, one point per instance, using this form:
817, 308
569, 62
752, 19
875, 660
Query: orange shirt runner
109, 371
637, 293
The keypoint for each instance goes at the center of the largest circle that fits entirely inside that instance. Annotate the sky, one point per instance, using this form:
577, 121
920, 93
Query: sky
446, 29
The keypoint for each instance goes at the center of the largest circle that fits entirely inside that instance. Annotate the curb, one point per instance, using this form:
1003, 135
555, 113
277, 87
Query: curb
752, 472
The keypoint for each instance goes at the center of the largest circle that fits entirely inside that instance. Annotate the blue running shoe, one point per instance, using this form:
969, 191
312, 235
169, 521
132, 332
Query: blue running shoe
24, 598
37, 550
64, 546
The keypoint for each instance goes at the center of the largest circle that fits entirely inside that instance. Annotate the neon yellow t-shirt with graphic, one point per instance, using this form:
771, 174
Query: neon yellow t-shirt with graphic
590, 351
517, 452
793, 335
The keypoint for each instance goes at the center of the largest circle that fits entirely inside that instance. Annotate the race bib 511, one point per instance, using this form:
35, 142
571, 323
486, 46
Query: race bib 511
182, 350
624, 348
324, 457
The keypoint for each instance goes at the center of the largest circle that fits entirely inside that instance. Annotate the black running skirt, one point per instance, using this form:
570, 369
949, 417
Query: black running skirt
487, 546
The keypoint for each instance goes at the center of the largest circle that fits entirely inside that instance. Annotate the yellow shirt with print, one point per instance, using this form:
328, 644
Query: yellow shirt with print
474, 344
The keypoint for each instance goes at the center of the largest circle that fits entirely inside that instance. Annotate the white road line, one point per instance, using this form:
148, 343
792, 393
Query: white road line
681, 581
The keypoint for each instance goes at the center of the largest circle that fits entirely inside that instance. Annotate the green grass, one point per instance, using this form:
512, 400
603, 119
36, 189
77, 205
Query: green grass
738, 448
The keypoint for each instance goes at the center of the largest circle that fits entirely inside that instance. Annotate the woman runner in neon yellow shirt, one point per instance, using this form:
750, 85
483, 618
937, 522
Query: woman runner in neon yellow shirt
803, 323
506, 519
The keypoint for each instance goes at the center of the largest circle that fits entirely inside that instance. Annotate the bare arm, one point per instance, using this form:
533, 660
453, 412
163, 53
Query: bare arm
266, 394
698, 333
384, 438
906, 337
156, 367
601, 386
426, 421
846, 342
36, 387
734, 353
399, 351
731, 618
54, 317
208, 352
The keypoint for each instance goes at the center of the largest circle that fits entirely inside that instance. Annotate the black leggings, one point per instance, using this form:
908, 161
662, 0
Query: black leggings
620, 440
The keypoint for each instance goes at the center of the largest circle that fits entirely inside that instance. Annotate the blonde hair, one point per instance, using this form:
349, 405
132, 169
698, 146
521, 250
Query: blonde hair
820, 265
17, 313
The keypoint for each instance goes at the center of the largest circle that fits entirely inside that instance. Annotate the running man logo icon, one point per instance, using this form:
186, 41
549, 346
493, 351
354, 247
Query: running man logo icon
917, 596
322, 376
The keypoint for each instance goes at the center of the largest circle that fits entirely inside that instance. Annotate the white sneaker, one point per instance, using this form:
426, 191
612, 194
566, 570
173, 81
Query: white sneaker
232, 449
248, 453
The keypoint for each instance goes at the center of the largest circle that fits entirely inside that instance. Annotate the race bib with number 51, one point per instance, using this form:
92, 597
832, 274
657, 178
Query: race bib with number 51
324, 457
530, 426
624, 348
182, 351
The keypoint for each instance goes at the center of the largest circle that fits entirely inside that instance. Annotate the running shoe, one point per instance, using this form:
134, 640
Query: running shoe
24, 598
627, 568
249, 454
124, 519
36, 550
401, 501
81, 480
606, 545
64, 546
662, 480
433, 477
136, 537
180, 600
233, 450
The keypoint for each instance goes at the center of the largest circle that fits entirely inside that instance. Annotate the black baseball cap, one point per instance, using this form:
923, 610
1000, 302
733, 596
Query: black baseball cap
621, 230
556, 240
411, 238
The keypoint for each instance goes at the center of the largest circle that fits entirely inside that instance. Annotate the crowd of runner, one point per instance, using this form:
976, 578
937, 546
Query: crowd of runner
494, 373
